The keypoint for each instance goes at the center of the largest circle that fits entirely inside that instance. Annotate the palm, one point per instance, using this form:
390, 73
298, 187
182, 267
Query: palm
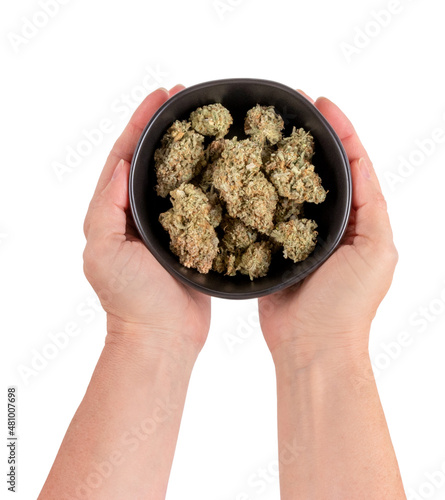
338, 297
132, 286
343, 294
313, 303
143, 288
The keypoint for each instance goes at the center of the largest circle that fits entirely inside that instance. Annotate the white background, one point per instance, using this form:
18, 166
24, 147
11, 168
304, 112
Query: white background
73, 72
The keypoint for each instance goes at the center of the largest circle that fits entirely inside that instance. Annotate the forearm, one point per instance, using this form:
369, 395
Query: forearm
333, 438
121, 441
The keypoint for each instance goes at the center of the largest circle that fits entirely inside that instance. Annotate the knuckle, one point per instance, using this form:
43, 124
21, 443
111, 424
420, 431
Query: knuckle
394, 254
87, 260
91, 215
391, 254
380, 201
91, 260
86, 225
87, 221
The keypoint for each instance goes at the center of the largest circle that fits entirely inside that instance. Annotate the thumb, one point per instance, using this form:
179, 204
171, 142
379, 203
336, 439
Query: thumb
107, 218
371, 215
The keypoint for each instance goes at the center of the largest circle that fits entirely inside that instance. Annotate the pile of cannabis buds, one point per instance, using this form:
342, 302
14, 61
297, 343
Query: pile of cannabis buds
236, 202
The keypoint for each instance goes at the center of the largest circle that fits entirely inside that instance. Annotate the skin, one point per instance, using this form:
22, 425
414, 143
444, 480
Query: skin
333, 439
129, 418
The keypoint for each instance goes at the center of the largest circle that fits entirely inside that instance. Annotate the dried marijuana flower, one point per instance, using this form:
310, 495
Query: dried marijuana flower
226, 262
255, 261
211, 154
290, 171
213, 120
298, 238
262, 122
248, 195
216, 209
179, 158
237, 236
287, 210
236, 202
192, 236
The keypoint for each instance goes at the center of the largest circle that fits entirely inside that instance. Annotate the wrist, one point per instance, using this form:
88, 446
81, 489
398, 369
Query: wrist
326, 372
149, 342
328, 352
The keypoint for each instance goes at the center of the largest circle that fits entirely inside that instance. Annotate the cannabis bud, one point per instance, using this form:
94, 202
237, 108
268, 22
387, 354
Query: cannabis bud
263, 123
213, 120
237, 202
179, 158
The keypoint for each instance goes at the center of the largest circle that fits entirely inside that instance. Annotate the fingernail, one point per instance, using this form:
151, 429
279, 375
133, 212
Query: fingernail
163, 89
364, 169
322, 98
175, 86
117, 170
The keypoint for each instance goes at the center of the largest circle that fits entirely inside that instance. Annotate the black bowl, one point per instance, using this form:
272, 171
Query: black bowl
239, 95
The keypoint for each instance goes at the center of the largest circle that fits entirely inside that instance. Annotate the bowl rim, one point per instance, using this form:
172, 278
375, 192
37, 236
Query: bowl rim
285, 283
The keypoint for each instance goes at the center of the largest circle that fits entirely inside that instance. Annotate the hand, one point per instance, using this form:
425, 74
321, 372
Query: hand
333, 307
143, 302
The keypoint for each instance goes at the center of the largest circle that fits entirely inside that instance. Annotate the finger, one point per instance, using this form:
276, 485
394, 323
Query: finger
108, 218
343, 127
371, 215
346, 132
176, 89
126, 144
371, 218
305, 95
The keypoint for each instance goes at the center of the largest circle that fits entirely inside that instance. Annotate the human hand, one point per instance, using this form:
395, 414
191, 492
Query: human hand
143, 302
333, 307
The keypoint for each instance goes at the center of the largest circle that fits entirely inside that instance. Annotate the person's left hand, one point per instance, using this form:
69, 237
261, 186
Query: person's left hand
143, 302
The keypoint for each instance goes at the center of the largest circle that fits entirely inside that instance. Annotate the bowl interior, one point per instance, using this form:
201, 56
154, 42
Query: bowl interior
239, 95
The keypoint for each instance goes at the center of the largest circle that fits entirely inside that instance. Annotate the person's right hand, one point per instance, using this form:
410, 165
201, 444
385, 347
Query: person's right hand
333, 307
